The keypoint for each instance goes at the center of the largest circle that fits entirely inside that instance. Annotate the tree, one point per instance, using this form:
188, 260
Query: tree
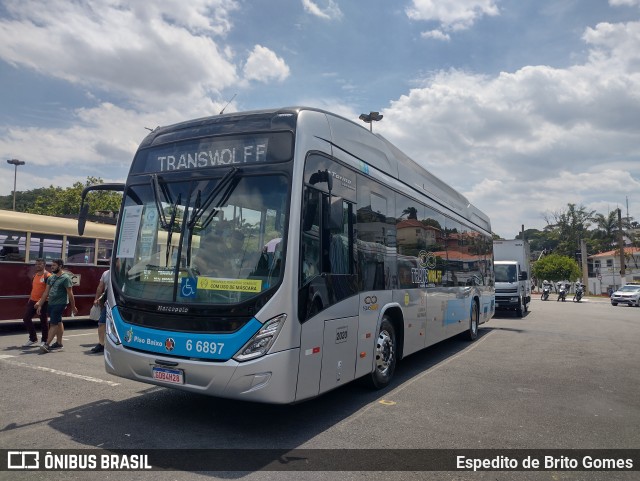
539, 240
555, 267
56, 201
568, 227
606, 231
410, 212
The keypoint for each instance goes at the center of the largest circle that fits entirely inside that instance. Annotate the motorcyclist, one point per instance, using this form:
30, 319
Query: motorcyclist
546, 289
579, 291
562, 291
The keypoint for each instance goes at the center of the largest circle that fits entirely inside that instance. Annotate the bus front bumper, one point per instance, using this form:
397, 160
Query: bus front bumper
270, 379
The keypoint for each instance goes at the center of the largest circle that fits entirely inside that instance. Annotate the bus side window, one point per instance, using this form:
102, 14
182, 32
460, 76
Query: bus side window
13, 246
310, 252
80, 250
310, 258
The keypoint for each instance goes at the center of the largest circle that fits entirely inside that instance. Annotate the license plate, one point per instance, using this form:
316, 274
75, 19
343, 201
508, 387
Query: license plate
171, 376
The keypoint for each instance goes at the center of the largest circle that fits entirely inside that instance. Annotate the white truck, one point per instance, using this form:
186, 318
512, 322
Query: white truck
512, 268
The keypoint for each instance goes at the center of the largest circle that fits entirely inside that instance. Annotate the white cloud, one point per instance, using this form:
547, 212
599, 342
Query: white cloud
452, 15
550, 135
264, 65
629, 3
331, 10
165, 62
436, 35
101, 142
138, 50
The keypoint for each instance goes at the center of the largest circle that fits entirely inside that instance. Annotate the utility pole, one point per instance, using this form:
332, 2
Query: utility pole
15, 163
623, 280
370, 118
585, 268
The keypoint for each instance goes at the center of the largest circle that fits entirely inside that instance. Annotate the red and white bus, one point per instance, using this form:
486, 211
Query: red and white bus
26, 237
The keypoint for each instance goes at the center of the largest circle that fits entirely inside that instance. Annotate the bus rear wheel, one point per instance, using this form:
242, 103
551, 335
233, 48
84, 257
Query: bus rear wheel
474, 322
385, 355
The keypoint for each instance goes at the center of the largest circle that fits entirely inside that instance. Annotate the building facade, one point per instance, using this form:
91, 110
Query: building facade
605, 275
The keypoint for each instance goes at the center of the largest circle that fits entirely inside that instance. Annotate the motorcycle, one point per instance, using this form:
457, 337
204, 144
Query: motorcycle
579, 292
562, 292
546, 290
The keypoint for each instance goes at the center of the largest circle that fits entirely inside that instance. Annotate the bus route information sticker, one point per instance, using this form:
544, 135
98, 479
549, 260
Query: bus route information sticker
237, 285
129, 229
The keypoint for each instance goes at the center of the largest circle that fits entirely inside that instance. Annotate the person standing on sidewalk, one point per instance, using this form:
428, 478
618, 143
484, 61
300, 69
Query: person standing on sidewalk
38, 286
60, 293
100, 300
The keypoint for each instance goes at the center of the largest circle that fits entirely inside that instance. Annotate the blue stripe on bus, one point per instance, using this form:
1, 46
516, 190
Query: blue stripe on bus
220, 347
457, 309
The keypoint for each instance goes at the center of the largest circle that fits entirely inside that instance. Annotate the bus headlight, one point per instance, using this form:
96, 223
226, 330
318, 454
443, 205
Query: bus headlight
111, 330
262, 340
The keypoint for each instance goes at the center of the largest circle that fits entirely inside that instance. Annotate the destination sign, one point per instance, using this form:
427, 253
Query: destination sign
228, 151
214, 155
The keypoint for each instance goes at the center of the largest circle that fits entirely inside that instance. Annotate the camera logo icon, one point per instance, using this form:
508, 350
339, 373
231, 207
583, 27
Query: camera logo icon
23, 460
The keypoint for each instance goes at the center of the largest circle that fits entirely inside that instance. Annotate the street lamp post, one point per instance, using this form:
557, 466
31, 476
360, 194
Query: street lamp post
370, 118
15, 163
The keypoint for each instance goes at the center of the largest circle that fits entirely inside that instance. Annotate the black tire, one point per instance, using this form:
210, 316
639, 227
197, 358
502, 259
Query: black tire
520, 309
614, 303
474, 322
385, 355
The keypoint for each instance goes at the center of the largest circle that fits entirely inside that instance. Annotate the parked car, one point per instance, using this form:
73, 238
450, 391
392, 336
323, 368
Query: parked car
629, 294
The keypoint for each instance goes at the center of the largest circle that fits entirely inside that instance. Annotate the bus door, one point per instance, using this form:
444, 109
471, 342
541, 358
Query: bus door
327, 300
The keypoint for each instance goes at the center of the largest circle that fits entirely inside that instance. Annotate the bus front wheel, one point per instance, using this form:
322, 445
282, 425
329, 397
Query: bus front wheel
384, 362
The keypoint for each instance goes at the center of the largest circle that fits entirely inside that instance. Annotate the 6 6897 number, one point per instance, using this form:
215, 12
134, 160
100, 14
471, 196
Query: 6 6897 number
206, 347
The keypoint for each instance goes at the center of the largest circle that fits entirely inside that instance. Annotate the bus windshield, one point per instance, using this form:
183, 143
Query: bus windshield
202, 240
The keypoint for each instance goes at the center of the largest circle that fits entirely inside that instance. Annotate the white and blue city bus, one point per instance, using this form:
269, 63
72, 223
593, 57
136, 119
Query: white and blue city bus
275, 255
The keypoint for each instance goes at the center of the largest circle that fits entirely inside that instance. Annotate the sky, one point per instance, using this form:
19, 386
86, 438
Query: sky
523, 106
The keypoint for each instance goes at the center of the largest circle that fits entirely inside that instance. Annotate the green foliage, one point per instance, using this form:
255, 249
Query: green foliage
569, 227
566, 228
24, 199
56, 201
555, 267
539, 240
59, 202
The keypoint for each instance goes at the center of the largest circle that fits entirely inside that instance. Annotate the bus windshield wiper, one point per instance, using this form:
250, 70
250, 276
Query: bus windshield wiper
174, 211
224, 188
196, 207
157, 184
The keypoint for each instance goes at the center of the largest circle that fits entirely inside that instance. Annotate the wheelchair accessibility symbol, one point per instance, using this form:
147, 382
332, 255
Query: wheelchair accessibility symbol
188, 287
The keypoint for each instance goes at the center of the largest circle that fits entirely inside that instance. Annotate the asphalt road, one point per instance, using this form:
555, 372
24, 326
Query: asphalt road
566, 376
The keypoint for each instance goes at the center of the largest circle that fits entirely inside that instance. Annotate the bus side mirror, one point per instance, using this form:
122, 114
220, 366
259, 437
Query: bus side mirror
84, 205
82, 217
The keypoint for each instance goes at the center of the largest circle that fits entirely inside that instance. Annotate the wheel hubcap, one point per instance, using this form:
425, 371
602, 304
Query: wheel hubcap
384, 352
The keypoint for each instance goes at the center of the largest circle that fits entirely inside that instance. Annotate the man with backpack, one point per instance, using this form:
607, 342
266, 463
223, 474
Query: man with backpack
38, 287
